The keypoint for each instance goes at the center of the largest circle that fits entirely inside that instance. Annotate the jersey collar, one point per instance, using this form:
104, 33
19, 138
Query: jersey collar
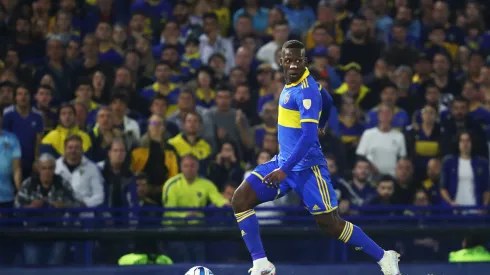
305, 75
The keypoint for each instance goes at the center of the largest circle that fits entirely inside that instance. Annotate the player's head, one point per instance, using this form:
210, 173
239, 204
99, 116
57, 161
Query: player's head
293, 60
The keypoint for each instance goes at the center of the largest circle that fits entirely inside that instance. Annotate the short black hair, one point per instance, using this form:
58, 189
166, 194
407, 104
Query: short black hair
171, 47
210, 15
293, 44
123, 97
224, 87
460, 98
159, 97
163, 63
386, 178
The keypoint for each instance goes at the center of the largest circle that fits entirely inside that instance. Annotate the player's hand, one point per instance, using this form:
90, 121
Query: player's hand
239, 118
321, 132
274, 178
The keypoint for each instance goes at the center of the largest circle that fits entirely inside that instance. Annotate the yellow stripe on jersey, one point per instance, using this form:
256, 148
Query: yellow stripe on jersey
309, 120
289, 118
258, 175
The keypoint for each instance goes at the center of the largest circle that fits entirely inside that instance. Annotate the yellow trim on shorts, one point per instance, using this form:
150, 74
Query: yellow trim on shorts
258, 175
323, 184
321, 188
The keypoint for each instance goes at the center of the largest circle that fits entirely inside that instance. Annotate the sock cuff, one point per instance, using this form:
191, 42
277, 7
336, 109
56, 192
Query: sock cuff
347, 232
243, 215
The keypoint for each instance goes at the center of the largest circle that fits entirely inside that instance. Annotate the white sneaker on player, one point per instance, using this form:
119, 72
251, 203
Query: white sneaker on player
389, 263
263, 268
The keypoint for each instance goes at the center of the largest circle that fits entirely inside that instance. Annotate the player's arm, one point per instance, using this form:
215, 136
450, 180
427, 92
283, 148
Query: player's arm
309, 105
327, 102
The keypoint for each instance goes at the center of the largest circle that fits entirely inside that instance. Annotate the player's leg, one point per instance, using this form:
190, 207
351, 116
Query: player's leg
248, 195
319, 197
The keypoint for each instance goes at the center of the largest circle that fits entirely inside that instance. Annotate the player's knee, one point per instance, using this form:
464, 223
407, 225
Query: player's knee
330, 224
244, 198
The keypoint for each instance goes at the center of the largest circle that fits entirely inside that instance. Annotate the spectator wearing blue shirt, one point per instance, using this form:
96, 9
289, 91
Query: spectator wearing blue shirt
300, 16
10, 167
259, 15
464, 177
388, 97
27, 124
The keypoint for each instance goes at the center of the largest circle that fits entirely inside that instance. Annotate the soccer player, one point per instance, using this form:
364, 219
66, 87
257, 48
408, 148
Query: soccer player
300, 166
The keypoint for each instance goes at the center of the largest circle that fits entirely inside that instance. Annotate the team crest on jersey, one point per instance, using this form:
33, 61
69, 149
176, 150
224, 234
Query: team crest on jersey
286, 98
307, 103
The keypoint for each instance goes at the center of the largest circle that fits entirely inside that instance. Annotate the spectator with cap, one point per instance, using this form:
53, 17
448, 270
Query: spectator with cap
81, 173
319, 62
27, 124
353, 86
54, 141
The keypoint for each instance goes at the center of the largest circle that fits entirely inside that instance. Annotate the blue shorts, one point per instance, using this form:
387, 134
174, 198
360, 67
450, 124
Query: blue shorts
312, 185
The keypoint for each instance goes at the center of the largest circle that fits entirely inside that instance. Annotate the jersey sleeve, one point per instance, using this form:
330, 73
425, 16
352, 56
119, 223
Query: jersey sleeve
309, 103
327, 103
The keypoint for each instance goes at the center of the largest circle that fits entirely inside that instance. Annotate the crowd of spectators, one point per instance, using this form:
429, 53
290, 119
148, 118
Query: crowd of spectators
149, 102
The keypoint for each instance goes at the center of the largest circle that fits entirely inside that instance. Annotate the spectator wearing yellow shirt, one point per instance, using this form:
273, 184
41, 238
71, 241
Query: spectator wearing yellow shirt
187, 189
189, 142
54, 141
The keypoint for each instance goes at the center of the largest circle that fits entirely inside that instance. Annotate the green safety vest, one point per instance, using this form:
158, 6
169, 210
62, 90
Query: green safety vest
143, 259
475, 254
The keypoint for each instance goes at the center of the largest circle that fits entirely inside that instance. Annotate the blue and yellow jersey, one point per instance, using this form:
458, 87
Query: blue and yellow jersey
363, 92
54, 141
264, 97
172, 94
190, 64
202, 101
300, 102
350, 132
400, 119
111, 55
259, 133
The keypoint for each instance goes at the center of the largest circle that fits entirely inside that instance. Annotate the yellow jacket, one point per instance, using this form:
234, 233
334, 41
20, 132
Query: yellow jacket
55, 140
201, 149
139, 159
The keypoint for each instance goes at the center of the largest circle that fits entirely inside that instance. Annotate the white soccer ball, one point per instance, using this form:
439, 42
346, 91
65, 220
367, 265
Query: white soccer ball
199, 270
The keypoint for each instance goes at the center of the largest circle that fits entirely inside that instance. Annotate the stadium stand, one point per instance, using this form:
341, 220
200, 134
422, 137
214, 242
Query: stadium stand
109, 109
